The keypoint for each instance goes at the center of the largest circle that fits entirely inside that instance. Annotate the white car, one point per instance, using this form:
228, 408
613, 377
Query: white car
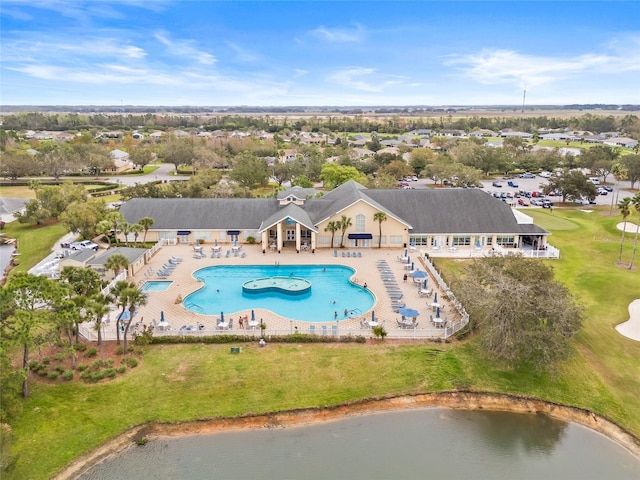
84, 245
545, 174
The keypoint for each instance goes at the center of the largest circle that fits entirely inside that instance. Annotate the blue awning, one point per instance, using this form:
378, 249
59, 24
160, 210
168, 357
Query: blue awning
184, 232
360, 236
233, 232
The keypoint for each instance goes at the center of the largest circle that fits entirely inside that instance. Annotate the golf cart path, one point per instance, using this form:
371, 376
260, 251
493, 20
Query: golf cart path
631, 328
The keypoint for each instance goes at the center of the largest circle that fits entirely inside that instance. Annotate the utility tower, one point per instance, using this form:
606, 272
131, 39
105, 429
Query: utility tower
524, 96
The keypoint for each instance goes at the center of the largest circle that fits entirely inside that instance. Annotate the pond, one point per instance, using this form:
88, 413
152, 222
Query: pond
426, 443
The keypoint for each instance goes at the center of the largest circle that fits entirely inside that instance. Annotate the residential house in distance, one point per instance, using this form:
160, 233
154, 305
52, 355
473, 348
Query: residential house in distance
621, 142
121, 162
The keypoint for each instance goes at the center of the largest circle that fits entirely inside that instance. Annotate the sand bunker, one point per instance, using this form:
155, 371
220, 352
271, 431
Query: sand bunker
628, 227
631, 328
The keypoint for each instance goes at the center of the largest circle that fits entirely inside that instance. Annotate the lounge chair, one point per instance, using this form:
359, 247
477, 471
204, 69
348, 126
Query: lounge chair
344, 254
243, 254
226, 255
335, 253
359, 254
348, 254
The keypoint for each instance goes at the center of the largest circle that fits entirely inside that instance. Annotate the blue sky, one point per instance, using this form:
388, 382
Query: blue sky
156, 52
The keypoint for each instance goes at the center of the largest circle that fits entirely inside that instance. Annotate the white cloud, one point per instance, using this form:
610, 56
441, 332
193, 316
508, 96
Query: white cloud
185, 49
339, 35
242, 54
364, 79
510, 67
299, 72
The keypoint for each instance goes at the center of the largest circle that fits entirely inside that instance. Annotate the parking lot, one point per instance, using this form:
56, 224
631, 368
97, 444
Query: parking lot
621, 189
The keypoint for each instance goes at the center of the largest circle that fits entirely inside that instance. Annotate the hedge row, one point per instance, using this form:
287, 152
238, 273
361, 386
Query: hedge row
295, 338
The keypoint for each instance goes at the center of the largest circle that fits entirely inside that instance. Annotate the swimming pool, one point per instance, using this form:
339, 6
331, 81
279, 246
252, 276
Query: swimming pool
156, 285
331, 292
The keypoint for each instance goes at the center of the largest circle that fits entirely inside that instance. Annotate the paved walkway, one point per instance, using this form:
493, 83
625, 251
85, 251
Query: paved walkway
366, 271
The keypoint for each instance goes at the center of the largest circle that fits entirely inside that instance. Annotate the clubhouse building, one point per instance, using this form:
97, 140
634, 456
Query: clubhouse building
431, 220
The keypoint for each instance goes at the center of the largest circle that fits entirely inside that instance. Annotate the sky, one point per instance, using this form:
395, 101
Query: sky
325, 53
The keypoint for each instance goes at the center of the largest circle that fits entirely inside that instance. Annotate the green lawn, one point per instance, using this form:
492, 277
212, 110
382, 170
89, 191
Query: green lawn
34, 242
186, 382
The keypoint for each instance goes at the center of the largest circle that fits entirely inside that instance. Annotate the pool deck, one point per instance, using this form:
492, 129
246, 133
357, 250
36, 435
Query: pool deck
366, 271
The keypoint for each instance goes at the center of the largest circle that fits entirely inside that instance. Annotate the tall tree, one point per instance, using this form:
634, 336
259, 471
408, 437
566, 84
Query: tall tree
146, 223
523, 315
34, 298
635, 201
345, 223
136, 229
332, 227
135, 299
379, 217
116, 263
624, 206
97, 308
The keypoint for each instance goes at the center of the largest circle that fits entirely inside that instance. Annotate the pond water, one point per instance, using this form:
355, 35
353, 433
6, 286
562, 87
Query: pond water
427, 443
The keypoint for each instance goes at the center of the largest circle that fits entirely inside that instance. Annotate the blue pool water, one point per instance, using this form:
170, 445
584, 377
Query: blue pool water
156, 286
222, 292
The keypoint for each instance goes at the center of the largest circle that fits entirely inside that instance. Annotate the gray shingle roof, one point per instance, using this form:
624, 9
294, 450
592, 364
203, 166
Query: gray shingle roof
201, 213
130, 253
424, 211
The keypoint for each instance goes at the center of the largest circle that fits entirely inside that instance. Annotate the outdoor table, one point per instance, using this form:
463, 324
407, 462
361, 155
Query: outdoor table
253, 324
435, 305
373, 324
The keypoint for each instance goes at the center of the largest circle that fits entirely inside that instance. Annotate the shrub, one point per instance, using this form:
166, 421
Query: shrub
119, 350
96, 365
59, 369
91, 352
42, 372
109, 362
80, 347
121, 369
34, 365
109, 372
52, 375
67, 375
46, 360
82, 367
59, 356
130, 362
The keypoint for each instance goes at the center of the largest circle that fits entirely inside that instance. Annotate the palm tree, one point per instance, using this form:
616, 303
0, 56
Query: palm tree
135, 299
104, 228
116, 263
146, 223
635, 201
332, 227
380, 217
118, 291
345, 222
136, 228
98, 307
115, 218
125, 227
624, 206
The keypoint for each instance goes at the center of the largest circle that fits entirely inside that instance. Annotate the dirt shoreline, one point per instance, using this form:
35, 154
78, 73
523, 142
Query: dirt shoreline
308, 416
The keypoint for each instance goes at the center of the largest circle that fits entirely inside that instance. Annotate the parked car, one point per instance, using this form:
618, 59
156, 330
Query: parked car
84, 245
527, 175
536, 201
523, 202
497, 184
512, 183
545, 174
546, 203
607, 188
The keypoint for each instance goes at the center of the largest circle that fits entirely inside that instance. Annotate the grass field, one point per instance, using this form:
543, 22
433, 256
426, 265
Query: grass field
186, 382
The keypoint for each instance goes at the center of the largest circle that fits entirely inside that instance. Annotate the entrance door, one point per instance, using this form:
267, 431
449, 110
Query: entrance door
291, 235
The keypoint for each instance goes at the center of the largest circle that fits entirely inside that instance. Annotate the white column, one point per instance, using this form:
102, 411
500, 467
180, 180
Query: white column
279, 236
297, 237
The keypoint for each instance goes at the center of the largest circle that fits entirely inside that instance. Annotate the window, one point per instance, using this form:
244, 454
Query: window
396, 240
461, 241
505, 240
418, 240
360, 223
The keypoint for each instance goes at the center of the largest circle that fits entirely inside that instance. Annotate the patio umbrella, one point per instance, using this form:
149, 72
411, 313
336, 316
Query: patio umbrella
424, 284
221, 317
125, 316
411, 265
162, 316
419, 274
253, 316
373, 316
438, 312
405, 252
408, 312
435, 297
215, 243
